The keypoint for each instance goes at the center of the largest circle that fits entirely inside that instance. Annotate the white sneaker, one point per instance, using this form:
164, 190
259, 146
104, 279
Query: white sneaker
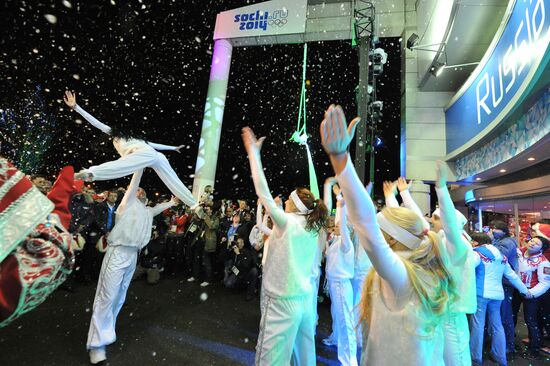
97, 355
191, 279
204, 284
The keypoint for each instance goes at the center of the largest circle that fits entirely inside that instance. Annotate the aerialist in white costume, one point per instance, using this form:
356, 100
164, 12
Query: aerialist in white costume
407, 293
287, 324
135, 154
132, 232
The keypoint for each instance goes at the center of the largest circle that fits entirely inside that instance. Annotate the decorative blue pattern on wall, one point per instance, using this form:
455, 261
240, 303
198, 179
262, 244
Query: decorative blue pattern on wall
528, 130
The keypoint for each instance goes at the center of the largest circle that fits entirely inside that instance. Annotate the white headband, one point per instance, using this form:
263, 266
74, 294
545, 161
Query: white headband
298, 203
398, 233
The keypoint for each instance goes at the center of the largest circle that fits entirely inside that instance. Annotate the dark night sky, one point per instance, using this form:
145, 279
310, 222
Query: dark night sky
145, 65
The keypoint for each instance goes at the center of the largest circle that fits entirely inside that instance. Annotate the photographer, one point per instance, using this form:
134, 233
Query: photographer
211, 223
241, 267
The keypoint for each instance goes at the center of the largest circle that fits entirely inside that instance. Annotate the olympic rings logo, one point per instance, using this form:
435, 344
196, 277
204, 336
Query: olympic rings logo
277, 22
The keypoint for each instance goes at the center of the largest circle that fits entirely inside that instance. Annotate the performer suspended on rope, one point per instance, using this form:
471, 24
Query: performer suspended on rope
135, 154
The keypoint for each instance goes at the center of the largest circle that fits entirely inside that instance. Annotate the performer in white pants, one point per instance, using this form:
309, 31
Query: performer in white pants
135, 154
339, 269
287, 323
130, 234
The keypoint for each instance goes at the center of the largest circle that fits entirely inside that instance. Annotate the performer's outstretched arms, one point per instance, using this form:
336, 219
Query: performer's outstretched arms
157, 209
408, 201
70, 100
390, 190
253, 148
456, 244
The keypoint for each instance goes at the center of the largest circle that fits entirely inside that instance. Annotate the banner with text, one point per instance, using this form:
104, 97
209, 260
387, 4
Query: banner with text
263, 19
502, 77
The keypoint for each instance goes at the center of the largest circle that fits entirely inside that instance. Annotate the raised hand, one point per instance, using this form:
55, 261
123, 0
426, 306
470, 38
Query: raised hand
70, 99
441, 174
336, 135
251, 144
179, 148
390, 188
402, 184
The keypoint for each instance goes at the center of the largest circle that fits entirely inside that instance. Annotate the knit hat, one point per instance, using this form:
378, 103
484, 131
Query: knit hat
542, 230
22, 207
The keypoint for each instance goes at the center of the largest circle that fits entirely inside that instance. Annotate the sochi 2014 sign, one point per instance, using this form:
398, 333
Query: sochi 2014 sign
501, 79
263, 19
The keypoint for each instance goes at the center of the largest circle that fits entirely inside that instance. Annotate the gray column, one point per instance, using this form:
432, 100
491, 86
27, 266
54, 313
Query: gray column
420, 193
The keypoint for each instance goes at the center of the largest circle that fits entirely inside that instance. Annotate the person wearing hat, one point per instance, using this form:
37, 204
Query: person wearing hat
500, 235
132, 232
541, 228
35, 253
534, 271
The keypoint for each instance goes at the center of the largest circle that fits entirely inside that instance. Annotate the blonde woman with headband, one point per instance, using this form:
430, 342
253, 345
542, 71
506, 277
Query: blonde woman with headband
407, 293
287, 323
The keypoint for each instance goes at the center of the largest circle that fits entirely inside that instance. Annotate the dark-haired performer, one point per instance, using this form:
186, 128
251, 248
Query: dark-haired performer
135, 154
288, 322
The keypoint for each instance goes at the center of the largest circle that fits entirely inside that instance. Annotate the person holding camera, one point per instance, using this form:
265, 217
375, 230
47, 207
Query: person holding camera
242, 267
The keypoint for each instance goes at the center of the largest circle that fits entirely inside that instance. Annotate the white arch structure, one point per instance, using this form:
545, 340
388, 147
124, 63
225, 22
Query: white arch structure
266, 23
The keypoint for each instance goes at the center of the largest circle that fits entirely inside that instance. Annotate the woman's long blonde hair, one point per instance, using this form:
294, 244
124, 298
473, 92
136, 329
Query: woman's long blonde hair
426, 267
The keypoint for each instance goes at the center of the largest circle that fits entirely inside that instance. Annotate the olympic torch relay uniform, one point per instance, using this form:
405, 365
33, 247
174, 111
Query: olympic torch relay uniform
397, 334
287, 324
534, 272
137, 154
132, 232
339, 269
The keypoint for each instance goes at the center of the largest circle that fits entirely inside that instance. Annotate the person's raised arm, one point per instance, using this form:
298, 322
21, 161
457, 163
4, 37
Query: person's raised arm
335, 138
408, 201
261, 220
344, 231
70, 100
131, 192
456, 244
157, 209
390, 190
161, 147
327, 192
253, 148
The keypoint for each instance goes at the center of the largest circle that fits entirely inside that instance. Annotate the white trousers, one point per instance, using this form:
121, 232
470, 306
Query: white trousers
456, 351
286, 325
343, 320
357, 284
116, 273
141, 159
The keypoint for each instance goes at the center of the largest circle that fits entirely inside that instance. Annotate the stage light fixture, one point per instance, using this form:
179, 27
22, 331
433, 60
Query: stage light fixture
437, 68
